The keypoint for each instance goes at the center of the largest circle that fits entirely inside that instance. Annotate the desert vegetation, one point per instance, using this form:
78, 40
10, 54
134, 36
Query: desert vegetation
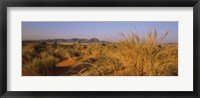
132, 55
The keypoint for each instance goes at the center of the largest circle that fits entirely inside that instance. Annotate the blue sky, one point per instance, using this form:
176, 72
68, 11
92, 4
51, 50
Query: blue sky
109, 31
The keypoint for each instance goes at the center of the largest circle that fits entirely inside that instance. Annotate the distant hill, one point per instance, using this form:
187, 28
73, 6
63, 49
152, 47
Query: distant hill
73, 40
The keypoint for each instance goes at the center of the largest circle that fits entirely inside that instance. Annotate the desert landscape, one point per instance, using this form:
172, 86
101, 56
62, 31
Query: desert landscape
128, 57
131, 55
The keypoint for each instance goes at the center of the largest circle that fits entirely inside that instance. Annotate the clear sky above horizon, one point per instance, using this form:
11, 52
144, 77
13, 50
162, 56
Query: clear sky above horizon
109, 31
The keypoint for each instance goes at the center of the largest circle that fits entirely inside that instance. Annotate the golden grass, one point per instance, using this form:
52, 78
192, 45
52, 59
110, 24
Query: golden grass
143, 57
131, 56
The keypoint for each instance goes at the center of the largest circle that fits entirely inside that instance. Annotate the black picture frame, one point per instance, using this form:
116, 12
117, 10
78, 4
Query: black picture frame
98, 3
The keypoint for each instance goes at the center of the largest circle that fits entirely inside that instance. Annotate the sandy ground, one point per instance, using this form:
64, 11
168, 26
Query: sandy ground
67, 62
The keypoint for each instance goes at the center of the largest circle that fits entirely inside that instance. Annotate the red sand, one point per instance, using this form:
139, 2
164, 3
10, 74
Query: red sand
67, 62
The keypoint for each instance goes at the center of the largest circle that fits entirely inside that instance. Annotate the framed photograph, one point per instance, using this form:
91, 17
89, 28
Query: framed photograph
99, 48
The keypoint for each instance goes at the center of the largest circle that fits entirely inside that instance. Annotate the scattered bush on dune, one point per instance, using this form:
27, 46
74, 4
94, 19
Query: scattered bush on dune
40, 60
40, 67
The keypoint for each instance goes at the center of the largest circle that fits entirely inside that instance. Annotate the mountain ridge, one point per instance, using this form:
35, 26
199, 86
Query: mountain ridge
72, 40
